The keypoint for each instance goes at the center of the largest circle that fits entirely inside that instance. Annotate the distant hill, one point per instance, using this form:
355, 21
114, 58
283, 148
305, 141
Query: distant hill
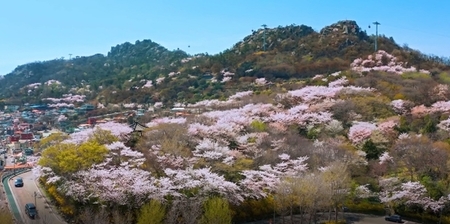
146, 72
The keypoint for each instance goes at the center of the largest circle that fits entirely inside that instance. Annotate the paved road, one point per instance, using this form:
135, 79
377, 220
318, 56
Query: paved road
351, 218
25, 194
354, 218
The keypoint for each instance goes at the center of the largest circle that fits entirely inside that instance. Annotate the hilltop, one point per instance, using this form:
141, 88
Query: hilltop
146, 72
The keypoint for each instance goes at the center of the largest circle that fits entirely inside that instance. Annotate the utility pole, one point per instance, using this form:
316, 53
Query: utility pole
376, 35
264, 45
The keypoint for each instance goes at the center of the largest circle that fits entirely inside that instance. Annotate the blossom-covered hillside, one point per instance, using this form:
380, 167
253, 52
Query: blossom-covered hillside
350, 138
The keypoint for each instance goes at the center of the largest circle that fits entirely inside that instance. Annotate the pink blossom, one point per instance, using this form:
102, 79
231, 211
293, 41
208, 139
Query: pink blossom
420, 110
166, 120
226, 79
240, 95
338, 83
261, 81
385, 157
363, 191
377, 64
441, 106
444, 125
148, 84
398, 106
52, 81
360, 131
61, 118
387, 126
160, 80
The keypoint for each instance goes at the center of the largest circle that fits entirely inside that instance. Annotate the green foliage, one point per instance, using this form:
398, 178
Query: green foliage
372, 106
233, 172
373, 152
252, 209
52, 139
64, 205
258, 126
403, 126
310, 133
414, 75
365, 206
151, 213
425, 125
313, 133
103, 137
69, 158
217, 211
430, 125
444, 77
434, 189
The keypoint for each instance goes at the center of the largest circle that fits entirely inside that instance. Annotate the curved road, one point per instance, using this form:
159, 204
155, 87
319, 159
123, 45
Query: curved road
351, 218
26, 194
354, 218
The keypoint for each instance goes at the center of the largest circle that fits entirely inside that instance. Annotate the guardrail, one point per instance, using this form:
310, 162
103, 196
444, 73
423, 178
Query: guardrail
7, 192
12, 172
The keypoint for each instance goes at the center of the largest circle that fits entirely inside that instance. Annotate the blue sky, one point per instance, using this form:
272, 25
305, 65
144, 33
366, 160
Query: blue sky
40, 30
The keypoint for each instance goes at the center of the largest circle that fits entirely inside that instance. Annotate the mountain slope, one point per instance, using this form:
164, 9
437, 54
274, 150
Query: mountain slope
146, 72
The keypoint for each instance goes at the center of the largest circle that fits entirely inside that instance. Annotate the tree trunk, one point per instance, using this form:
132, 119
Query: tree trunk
291, 215
301, 215
336, 214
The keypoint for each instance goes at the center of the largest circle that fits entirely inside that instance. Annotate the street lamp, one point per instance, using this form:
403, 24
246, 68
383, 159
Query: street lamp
35, 195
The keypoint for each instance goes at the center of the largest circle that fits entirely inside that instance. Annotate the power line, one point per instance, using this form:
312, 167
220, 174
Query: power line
419, 31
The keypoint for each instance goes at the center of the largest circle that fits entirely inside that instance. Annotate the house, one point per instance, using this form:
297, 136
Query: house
92, 120
87, 107
26, 137
39, 107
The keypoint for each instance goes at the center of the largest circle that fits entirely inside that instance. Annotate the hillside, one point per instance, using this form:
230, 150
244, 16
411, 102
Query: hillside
374, 138
315, 122
146, 72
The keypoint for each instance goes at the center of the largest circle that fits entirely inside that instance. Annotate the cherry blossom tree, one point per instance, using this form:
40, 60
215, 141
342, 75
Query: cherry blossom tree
409, 193
360, 131
383, 61
257, 183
